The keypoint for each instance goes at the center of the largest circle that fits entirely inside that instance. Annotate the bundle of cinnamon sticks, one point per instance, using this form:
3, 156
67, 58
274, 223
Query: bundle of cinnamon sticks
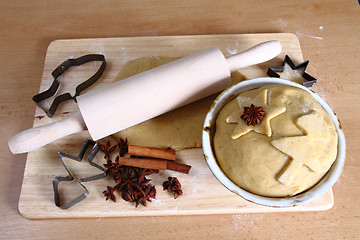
153, 158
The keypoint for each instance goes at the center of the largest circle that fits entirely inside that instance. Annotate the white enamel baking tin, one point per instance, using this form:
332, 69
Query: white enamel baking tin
318, 190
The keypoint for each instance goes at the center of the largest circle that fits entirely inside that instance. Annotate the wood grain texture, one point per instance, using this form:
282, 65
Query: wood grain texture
36, 199
328, 33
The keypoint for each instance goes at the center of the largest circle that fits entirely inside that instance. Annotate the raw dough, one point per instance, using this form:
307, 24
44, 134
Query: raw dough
294, 75
301, 149
178, 129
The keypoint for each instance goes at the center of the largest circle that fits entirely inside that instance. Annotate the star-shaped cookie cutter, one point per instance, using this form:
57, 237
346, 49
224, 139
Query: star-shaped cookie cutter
310, 80
56, 181
38, 98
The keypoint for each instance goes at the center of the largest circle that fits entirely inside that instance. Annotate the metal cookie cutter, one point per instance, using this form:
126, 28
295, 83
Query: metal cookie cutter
310, 80
55, 85
94, 149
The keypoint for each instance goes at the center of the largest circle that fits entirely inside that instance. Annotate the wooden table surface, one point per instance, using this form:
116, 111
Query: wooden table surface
328, 32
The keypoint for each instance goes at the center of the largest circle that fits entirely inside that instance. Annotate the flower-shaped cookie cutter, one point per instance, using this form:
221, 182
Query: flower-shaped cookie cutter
309, 80
39, 98
56, 181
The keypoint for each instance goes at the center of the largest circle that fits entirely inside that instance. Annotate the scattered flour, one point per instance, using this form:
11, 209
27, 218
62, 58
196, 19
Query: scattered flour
241, 220
299, 34
172, 209
233, 50
156, 202
281, 22
97, 47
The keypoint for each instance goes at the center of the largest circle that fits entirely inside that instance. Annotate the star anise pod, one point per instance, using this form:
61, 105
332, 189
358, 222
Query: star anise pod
117, 177
141, 173
126, 196
149, 192
123, 146
112, 168
173, 185
107, 149
109, 193
130, 189
152, 192
253, 115
129, 171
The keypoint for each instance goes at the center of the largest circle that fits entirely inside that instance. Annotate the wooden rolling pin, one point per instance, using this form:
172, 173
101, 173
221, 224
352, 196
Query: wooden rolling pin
146, 95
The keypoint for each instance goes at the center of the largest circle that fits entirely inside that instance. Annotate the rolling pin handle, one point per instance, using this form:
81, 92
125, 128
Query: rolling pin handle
259, 53
34, 138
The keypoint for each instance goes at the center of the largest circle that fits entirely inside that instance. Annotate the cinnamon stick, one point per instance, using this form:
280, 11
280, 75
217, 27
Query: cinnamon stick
152, 163
178, 167
168, 154
144, 163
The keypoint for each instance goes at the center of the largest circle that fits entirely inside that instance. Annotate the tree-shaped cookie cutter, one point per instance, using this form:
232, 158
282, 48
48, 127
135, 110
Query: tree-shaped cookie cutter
39, 98
56, 181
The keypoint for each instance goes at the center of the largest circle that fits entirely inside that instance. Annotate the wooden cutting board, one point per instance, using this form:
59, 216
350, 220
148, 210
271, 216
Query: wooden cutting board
203, 194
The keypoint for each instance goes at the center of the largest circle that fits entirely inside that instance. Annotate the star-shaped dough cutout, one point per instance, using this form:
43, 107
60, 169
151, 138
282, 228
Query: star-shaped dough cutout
309, 123
259, 101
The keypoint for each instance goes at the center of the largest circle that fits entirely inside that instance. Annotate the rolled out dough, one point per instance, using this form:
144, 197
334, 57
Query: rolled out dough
178, 129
